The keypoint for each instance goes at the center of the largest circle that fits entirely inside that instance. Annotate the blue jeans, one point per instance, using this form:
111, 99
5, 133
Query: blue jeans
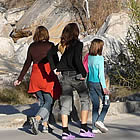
96, 92
45, 101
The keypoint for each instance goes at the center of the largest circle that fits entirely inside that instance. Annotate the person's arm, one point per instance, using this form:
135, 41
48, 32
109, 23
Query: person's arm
26, 66
102, 76
53, 57
78, 59
101, 72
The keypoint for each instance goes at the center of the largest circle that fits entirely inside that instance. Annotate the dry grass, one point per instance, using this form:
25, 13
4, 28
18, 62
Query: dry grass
101, 9
17, 3
120, 92
16, 95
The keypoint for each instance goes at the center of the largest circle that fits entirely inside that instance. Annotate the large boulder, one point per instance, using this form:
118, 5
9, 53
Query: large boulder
53, 14
6, 47
21, 48
113, 32
116, 25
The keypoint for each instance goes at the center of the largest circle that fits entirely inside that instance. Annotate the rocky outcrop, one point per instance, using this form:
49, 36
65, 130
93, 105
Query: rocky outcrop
44, 12
113, 32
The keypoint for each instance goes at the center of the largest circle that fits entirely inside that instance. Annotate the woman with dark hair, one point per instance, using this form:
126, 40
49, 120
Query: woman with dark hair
43, 81
73, 72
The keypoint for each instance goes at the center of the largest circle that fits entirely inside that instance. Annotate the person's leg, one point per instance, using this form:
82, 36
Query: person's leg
43, 113
48, 105
95, 103
51, 117
41, 103
82, 90
66, 106
35, 120
74, 113
105, 108
99, 123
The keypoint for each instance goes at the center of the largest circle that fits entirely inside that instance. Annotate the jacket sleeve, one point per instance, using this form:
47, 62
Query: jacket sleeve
53, 57
26, 65
78, 59
101, 73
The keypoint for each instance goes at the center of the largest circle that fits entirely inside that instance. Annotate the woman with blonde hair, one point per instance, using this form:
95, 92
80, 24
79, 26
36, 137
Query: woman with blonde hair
43, 82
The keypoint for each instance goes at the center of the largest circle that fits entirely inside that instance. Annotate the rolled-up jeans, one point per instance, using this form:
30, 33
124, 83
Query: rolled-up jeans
96, 92
69, 83
45, 103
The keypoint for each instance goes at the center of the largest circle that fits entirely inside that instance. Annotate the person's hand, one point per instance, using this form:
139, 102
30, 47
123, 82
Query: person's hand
17, 82
106, 91
55, 71
82, 79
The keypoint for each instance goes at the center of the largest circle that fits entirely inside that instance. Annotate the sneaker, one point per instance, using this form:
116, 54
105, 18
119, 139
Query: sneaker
96, 131
86, 134
66, 136
101, 126
34, 126
45, 129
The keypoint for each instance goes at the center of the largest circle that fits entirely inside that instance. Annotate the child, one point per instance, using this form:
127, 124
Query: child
97, 85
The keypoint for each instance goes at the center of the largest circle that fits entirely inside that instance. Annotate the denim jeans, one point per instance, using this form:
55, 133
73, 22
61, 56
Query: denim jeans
70, 83
45, 101
96, 92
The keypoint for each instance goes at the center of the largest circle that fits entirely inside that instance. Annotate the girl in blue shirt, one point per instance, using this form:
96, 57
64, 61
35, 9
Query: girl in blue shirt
97, 85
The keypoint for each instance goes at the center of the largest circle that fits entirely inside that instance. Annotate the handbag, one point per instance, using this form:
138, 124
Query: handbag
85, 62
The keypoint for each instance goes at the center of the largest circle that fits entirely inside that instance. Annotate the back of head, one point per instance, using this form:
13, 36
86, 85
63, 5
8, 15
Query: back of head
70, 32
41, 34
96, 47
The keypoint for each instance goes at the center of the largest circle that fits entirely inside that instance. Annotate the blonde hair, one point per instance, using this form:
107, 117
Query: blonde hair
41, 34
61, 48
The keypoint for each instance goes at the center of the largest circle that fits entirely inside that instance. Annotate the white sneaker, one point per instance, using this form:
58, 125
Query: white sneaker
96, 131
45, 129
101, 126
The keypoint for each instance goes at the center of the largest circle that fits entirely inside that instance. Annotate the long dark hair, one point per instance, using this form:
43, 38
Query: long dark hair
69, 33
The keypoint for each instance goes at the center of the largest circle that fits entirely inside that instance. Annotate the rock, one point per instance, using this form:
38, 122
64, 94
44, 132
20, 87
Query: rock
9, 70
21, 48
5, 27
6, 30
113, 39
16, 4
7, 47
116, 25
13, 15
52, 14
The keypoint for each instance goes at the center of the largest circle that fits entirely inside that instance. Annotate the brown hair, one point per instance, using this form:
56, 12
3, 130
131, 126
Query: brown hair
41, 34
96, 47
70, 32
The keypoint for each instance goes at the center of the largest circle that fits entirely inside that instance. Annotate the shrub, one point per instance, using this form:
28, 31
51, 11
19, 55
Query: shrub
126, 71
16, 95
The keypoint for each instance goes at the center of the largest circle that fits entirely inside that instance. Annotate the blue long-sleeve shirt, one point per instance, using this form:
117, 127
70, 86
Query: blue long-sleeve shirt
96, 69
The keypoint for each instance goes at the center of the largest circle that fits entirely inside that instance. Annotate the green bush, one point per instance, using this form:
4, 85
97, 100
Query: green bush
126, 72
